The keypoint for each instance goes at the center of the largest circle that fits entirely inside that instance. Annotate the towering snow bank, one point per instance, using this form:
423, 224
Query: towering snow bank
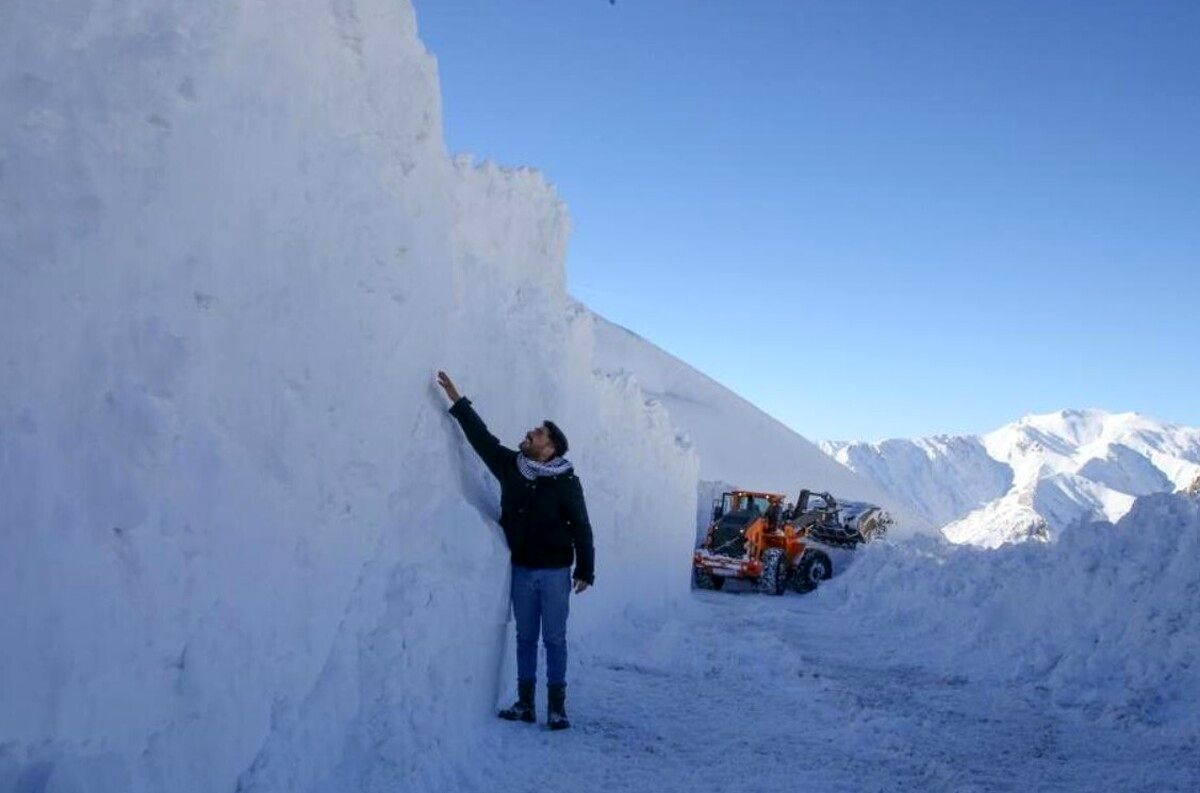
1031, 478
1104, 619
241, 543
736, 442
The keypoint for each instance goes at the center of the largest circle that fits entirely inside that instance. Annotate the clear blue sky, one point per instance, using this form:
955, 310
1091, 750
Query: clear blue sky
872, 219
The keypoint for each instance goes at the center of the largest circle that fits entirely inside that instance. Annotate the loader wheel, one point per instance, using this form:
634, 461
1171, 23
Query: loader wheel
774, 575
814, 567
704, 580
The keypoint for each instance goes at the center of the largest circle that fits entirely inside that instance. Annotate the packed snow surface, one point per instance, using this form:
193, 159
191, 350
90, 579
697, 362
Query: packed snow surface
1032, 478
927, 667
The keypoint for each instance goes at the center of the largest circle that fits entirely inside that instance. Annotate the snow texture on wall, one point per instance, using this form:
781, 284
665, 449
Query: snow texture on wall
242, 546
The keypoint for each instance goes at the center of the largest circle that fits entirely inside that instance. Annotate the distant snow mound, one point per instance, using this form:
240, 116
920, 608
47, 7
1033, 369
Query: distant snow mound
1103, 620
1033, 478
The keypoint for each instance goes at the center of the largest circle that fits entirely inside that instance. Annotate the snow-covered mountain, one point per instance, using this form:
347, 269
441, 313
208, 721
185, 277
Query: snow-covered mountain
1031, 478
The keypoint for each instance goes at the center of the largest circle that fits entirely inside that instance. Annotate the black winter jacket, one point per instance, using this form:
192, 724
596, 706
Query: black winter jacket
545, 520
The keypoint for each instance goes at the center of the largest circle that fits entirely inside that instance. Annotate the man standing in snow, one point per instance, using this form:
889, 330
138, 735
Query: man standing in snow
545, 522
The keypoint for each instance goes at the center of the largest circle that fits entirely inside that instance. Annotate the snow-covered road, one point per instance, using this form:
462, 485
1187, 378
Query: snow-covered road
747, 692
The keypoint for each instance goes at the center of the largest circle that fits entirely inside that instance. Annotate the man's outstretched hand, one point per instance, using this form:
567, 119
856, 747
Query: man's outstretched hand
448, 386
580, 586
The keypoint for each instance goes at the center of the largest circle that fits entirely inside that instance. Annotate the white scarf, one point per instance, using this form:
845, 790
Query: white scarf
532, 469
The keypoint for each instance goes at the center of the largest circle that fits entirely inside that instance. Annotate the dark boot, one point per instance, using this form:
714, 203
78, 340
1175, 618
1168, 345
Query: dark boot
522, 709
556, 713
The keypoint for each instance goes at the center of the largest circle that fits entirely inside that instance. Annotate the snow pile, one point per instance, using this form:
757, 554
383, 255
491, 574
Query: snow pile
1033, 478
736, 442
1104, 619
242, 546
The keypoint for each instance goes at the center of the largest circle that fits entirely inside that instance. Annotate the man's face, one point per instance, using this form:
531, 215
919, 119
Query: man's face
537, 444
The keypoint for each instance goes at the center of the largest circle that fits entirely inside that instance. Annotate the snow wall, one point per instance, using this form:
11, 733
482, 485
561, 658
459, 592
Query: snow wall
242, 545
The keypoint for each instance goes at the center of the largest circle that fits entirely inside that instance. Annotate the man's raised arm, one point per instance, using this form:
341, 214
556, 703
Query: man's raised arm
494, 455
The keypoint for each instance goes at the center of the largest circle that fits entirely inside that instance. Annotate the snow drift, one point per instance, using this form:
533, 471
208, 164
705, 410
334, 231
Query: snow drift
1104, 619
241, 543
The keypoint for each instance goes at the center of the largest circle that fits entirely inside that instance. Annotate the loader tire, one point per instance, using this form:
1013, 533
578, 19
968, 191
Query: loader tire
703, 580
774, 574
813, 568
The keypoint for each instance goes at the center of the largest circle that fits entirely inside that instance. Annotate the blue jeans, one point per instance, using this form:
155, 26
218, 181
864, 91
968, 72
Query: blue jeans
541, 600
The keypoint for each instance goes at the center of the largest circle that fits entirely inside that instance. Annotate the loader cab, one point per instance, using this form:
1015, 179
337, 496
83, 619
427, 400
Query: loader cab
732, 516
727, 535
738, 502
753, 503
722, 506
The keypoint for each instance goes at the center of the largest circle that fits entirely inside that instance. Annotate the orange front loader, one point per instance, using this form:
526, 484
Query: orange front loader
754, 536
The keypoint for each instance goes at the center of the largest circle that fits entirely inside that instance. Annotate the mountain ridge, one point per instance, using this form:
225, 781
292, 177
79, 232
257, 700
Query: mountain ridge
1030, 478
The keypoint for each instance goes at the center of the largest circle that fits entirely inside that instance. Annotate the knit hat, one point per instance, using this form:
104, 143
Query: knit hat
556, 437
